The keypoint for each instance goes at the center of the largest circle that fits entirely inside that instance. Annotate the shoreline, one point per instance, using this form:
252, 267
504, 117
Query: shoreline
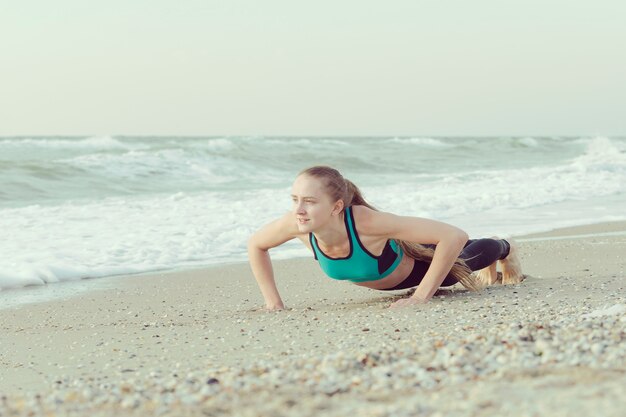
199, 342
63, 290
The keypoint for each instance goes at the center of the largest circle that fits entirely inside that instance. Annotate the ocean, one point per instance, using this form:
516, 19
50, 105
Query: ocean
85, 207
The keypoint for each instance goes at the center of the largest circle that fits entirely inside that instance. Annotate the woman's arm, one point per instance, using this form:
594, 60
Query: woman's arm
269, 236
261, 266
446, 253
449, 239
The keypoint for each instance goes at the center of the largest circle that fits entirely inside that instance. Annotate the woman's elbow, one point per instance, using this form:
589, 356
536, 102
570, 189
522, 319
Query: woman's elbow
460, 237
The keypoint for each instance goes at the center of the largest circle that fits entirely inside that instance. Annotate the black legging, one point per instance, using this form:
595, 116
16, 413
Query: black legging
477, 253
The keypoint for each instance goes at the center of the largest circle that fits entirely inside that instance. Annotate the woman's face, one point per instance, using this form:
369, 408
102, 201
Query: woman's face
311, 205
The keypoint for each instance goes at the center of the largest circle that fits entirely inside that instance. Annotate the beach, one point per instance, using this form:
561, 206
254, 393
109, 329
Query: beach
198, 342
147, 147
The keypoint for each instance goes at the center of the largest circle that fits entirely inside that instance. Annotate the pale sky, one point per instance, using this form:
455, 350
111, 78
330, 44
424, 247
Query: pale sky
314, 68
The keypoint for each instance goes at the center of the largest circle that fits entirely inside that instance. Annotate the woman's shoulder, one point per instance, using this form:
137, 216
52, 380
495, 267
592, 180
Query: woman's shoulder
372, 222
363, 216
359, 210
276, 232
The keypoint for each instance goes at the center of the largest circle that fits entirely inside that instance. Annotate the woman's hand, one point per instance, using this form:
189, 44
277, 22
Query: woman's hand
408, 302
275, 307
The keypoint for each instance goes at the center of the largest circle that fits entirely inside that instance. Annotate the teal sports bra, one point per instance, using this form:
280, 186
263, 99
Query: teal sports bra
360, 265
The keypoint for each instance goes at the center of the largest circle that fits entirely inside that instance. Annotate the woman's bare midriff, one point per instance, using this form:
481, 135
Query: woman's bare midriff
401, 272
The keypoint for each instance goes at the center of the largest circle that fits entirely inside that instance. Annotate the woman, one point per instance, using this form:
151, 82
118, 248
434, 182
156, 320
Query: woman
354, 241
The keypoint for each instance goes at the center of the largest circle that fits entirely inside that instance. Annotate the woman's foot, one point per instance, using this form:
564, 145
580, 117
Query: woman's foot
511, 266
489, 276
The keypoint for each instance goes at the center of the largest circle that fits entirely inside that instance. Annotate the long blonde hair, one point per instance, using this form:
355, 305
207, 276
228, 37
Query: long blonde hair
339, 188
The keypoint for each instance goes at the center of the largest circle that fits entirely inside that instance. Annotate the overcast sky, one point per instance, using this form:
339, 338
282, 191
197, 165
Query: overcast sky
289, 67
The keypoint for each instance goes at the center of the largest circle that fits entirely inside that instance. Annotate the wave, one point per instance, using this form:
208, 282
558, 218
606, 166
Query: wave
429, 142
174, 164
124, 235
93, 142
529, 142
602, 152
220, 144
599, 171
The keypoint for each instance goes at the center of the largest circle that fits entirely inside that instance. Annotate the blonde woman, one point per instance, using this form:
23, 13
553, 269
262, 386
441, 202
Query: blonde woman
353, 241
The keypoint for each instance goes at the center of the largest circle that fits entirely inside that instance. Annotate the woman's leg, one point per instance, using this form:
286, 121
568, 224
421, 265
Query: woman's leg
477, 253
480, 253
511, 266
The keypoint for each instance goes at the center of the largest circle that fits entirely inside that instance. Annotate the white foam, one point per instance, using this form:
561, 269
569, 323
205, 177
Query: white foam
220, 144
586, 189
335, 142
118, 236
427, 142
288, 141
175, 163
602, 154
454, 194
94, 142
530, 142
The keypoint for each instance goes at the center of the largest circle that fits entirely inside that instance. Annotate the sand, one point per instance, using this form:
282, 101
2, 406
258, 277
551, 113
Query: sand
194, 342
